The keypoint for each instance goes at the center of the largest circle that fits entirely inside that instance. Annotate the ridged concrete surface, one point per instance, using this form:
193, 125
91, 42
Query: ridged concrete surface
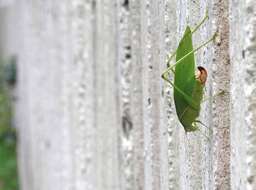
93, 112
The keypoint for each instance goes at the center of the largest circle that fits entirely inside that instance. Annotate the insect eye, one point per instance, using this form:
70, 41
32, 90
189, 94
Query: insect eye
201, 74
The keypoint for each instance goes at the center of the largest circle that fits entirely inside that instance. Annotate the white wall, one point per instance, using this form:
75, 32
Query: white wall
93, 112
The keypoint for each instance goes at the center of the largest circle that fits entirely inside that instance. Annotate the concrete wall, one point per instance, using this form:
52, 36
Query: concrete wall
93, 112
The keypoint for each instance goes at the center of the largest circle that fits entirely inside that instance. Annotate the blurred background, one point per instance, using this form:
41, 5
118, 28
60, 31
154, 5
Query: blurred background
8, 137
83, 105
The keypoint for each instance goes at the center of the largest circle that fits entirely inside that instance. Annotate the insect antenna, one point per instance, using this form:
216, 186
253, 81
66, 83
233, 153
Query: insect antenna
208, 138
202, 124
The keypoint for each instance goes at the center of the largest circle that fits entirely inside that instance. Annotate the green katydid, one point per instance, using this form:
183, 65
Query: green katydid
188, 85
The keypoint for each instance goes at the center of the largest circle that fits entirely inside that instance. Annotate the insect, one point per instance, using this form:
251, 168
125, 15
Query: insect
188, 84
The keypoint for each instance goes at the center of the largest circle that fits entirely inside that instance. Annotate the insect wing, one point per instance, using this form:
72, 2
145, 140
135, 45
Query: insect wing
184, 77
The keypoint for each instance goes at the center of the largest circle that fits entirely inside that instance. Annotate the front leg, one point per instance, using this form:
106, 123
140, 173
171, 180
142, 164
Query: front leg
189, 100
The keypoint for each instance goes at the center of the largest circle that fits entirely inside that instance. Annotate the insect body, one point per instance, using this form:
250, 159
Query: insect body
188, 84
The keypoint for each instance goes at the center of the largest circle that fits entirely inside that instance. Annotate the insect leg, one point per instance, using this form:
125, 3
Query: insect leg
190, 101
200, 122
194, 125
166, 72
204, 135
214, 96
188, 54
201, 22
170, 57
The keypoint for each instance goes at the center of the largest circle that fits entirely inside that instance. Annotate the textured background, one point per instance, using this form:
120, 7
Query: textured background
93, 112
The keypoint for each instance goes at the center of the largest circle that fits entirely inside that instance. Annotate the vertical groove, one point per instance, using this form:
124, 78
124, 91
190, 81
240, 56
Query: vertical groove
125, 67
83, 94
151, 92
106, 93
24, 132
137, 96
238, 129
167, 17
170, 118
221, 81
147, 120
249, 90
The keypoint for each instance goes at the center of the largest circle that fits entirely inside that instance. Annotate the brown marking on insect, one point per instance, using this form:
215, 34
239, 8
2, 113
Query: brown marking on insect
201, 75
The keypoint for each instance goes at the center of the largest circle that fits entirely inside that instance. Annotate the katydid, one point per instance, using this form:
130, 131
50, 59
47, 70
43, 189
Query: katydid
188, 84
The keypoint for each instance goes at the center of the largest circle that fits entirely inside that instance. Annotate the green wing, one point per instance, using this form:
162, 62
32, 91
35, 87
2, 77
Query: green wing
184, 73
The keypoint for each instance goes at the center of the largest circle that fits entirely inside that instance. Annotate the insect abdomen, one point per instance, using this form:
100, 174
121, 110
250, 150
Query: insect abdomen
191, 114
